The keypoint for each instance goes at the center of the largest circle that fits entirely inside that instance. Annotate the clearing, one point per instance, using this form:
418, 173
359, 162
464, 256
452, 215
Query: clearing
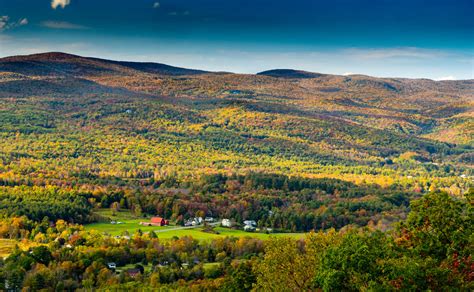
130, 225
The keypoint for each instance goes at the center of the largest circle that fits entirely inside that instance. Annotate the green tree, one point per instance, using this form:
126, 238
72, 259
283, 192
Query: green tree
41, 254
439, 225
240, 277
286, 266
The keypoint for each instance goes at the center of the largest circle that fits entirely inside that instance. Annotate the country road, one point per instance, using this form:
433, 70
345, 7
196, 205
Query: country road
184, 227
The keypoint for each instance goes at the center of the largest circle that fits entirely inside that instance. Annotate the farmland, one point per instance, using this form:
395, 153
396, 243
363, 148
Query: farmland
130, 225
8, 245
126, 223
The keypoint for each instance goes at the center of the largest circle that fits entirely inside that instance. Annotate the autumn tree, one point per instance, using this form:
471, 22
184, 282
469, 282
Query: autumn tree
286, 266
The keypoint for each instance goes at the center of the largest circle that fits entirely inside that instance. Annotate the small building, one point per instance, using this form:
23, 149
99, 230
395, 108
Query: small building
250, 223
194, 221
249, 228
226, 223
156, 221
111, 266
133, 272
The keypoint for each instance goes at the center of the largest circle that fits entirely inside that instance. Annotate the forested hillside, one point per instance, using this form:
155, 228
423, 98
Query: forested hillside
294, 151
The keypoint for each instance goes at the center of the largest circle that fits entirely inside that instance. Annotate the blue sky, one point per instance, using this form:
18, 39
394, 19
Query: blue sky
399, 38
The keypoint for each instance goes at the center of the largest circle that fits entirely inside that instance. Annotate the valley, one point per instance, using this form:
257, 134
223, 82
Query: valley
92, 149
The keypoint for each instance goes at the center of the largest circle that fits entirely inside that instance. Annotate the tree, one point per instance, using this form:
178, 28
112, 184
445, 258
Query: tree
353, 263
114, 207
41, 254
439, 225
240, 277
288, 262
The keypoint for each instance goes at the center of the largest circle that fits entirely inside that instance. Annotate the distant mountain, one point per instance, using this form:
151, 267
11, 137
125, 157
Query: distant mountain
320, 106
289, 73
54, 63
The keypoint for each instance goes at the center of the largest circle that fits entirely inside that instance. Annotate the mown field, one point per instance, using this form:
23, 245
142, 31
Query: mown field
130, 225
7, 246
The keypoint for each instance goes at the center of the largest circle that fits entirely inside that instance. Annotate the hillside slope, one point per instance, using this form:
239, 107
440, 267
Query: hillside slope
64, 116
66, 64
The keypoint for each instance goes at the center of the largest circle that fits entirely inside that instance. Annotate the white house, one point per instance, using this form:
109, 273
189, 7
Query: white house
111, 266
249, 228
226, 223
250, 223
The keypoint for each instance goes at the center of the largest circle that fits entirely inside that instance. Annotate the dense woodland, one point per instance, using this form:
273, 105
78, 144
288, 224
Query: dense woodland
275, 201
430, 250
377, 172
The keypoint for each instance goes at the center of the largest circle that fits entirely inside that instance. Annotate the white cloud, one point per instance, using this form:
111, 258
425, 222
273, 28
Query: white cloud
156, 5
450, 77
6, 24
175, 13
348, 73
62, 3
390, 53
61, 25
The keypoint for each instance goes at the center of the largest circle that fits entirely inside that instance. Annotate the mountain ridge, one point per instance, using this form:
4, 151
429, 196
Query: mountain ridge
51, 62
439, 110
165, 69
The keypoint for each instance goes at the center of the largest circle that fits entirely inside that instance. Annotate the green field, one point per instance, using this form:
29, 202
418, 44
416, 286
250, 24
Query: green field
197, 233
149, 267
131, 225
7, 245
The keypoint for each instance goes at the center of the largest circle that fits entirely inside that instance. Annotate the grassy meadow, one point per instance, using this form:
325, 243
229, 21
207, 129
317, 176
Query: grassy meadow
7, 246
131, 224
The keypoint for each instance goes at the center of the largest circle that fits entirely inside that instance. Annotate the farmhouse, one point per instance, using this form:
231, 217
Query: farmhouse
112, 266
226, 223
249, 228
194, 222
133, 272
250, 223
156, 221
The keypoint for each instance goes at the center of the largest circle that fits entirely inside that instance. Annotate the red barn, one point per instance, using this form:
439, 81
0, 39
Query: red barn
159, 221
156, 221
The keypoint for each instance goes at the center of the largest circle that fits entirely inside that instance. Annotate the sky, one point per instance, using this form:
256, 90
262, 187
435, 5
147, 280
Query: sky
387, 38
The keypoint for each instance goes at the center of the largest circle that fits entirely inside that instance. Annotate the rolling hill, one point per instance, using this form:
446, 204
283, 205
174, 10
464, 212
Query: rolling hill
91, 148
69, 117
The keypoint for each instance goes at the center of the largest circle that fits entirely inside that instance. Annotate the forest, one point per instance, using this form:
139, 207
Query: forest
429, 250
355, 183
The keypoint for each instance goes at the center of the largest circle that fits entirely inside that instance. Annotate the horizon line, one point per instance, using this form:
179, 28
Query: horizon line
450, 78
